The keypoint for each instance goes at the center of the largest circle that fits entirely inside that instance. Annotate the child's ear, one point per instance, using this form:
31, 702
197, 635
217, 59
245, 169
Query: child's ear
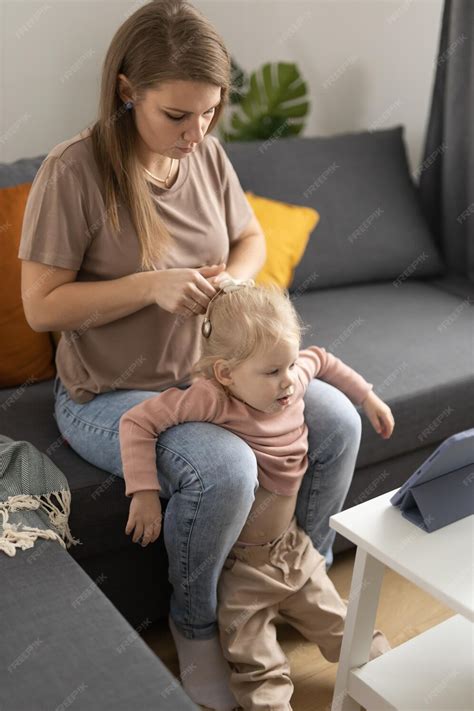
222, 372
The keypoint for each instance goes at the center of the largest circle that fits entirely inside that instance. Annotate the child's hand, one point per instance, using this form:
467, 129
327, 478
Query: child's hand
144, 516
379, 414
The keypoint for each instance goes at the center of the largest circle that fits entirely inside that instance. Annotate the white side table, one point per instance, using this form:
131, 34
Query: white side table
434, 670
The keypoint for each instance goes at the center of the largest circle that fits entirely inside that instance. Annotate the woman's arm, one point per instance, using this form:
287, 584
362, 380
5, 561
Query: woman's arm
54, 301
247, 254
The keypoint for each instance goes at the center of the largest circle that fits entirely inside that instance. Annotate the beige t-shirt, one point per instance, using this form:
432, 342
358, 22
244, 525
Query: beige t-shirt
205, 211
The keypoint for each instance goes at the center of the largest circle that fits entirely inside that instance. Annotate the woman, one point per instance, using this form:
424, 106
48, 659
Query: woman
128, 228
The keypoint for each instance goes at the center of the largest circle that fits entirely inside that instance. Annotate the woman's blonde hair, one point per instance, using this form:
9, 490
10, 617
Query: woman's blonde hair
246, 321
164, 40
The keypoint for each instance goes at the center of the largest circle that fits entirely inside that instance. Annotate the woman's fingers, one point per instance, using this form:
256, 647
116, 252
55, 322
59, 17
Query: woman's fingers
191, 309
197, 301
202, 291
199, 291
202, 283
212, 270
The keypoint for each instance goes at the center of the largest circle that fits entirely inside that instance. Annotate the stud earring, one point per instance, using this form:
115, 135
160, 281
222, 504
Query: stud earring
128, 105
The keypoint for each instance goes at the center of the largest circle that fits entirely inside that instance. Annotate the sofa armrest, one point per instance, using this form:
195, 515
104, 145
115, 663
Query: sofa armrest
63, 640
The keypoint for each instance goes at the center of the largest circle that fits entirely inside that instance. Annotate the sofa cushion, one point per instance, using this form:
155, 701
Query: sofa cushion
287, 229
25, 355
457, 285
414, 343
371, 226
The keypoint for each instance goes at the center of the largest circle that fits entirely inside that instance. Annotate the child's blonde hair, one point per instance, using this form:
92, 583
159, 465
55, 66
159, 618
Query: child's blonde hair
246, 321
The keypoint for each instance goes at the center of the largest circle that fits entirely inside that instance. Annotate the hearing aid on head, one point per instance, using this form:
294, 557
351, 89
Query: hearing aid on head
226, 286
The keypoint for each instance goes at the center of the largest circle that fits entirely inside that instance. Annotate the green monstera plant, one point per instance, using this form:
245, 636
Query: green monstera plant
272, 102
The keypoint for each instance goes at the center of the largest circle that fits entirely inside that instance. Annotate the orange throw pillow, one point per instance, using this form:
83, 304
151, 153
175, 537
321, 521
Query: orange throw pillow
25, 355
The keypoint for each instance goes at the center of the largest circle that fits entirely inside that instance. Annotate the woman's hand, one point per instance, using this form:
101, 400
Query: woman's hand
144, 516
216, 280
185, 291
379, 414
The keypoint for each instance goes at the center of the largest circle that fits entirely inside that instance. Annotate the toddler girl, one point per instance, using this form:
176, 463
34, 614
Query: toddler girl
250, 379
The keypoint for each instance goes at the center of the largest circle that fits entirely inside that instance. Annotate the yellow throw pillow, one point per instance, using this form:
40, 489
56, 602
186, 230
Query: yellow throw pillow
287, 229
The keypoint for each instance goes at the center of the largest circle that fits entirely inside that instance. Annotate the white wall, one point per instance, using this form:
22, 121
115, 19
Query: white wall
368, 63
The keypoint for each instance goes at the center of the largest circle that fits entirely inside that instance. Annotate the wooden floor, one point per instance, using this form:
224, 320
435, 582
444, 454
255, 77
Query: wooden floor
404, 612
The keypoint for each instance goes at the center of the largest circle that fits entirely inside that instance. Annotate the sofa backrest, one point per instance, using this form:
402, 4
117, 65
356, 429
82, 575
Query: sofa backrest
20, 171
371, 224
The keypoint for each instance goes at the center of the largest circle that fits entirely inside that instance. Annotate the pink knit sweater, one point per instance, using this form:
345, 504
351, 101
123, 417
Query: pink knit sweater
279, 440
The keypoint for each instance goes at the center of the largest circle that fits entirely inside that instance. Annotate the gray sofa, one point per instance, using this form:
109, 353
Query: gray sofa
64, 643
376, 292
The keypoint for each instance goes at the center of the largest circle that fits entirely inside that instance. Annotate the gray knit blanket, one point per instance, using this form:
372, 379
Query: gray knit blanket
35, 499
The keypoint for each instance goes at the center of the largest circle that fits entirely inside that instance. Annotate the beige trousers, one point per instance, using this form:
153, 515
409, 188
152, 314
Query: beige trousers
287, 577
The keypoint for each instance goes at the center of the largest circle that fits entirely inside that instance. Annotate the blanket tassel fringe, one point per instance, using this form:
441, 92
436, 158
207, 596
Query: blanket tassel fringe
15, 537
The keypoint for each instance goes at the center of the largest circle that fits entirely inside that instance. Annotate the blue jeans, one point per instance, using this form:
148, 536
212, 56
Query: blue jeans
209, 477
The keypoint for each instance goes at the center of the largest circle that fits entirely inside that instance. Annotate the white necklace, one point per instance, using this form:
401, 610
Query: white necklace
161, 180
